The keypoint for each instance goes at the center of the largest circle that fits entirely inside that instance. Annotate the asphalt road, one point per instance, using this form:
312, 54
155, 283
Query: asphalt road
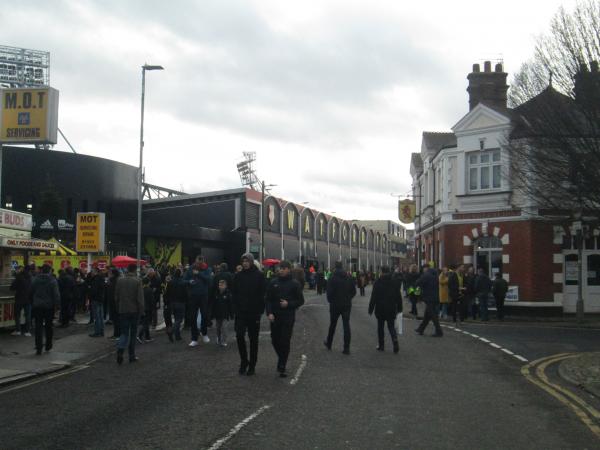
452, 392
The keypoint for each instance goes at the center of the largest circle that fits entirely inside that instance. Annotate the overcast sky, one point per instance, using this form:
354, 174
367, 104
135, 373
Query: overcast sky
332, 95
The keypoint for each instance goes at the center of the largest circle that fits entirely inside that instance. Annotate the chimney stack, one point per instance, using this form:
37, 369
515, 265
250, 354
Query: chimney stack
487, 87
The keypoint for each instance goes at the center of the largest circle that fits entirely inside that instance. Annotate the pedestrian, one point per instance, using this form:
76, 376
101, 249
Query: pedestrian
176, 294
222, 310
386, 302
444, 295
66, 287
483, 287
321, 282
97, 296
429, 284
413, 291
199, 279
149, 306
112, 306
22, 287
156, 286
298, 274
362, 282
284, 296
499, 290
222, 274
341, 289
456, 292
249, 306
469, 293
129, 297
45, 297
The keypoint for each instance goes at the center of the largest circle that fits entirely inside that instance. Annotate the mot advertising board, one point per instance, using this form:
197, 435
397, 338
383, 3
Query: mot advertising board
28, 116
90, 230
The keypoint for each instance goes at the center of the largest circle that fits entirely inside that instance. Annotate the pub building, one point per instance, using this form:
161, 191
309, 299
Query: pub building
468, 212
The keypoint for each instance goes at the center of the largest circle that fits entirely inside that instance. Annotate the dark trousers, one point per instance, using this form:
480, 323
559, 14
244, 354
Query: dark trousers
27, 311
432, 313
458, 309
500, 307
129, 324
178, 313
413, 304
281, 336
65, 309
168, 317
145, 325
43, 321
334, 315
202, 304
362, 291
391, 327
251, 325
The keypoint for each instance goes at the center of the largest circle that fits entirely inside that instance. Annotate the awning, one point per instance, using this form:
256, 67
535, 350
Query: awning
62, 250
27, 244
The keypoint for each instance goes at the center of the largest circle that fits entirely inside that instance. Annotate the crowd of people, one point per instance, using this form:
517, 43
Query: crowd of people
197, 295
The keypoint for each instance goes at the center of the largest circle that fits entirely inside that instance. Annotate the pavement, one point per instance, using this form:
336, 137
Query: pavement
583, 371
71, 346
453, 392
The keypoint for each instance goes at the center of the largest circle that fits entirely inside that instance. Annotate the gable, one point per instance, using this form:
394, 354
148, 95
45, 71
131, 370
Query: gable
481, 118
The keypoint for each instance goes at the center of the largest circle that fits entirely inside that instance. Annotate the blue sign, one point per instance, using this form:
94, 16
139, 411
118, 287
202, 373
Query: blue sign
24, 118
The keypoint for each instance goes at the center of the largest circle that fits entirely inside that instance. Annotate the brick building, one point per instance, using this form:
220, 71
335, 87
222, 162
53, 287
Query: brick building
469, 213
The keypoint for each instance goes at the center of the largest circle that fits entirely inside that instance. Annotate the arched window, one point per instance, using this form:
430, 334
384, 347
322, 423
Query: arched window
488, 254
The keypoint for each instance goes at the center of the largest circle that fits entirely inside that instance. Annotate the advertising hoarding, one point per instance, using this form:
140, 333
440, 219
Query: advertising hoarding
90, 231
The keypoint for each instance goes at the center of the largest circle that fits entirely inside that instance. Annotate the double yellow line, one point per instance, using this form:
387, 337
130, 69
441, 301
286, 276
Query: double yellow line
535, 372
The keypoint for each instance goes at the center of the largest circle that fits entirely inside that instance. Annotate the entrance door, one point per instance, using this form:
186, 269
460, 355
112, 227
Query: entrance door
591, 281
488, 255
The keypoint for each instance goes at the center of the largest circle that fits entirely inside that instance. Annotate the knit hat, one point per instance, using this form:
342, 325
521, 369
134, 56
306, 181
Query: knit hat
249, 257
285, 265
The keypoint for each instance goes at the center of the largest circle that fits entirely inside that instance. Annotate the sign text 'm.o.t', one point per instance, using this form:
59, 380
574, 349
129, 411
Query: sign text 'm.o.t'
90, 232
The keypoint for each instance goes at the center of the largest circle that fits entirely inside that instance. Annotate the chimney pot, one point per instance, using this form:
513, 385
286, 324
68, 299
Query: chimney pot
498, 68
476, 68
487, 66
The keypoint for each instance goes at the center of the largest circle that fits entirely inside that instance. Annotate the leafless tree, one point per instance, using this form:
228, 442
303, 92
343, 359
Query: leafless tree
555, 144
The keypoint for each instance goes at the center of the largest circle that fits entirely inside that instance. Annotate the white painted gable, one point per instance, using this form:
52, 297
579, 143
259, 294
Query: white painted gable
480, 119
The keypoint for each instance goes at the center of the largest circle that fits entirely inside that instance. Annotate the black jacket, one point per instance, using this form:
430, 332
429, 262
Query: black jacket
22, 287
453, 285
148, 300
430, 288
340, 290
66, 285
499, 288
249, 292
176, 291
222, 305
44, 292
98, 288
483, 286
284, 288
386, 299
227, 276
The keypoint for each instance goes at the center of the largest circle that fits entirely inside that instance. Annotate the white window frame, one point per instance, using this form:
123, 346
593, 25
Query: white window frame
488, 166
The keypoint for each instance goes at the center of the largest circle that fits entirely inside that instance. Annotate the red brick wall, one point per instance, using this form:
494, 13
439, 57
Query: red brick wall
530, 251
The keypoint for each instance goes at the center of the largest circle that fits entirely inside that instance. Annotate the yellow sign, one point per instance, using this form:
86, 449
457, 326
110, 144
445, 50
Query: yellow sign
90, 232
407, 211
28, 115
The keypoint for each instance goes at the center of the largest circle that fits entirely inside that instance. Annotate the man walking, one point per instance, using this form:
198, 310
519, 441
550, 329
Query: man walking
199, 278
428, 282
386, 302
22, 287
45, 298
248, 306
340, 292
483, 287
455, 292
129, 298
97, 297
66, 287
499, 290
284, 296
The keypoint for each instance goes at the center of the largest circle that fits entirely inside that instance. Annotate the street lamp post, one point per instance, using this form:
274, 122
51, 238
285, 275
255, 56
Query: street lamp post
140, 168
262, 220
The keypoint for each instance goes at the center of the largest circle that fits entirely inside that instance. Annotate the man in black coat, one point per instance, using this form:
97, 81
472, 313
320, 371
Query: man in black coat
248, 305
499, 290
340, 292
66, 286
386, 302
284, 296
483, 287
22, 286
45, 297
429, 284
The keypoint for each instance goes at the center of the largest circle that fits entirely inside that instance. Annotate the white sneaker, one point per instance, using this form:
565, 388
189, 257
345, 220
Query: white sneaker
27, 334
205, 339
223, 344
15, 333
193, 344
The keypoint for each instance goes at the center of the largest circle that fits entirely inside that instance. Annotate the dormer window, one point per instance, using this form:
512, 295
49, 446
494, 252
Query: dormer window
485, 170
481, 144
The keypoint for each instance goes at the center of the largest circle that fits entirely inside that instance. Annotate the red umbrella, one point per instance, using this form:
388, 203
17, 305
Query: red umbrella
124, 261
270, 262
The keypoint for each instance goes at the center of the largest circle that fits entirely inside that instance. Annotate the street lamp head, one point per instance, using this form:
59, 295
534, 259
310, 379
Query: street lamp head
150, 67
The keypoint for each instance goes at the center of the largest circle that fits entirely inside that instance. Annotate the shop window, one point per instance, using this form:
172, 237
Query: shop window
593, 270
485, 170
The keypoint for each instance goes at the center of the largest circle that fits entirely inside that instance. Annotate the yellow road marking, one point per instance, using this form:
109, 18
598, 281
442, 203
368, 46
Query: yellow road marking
557, 392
